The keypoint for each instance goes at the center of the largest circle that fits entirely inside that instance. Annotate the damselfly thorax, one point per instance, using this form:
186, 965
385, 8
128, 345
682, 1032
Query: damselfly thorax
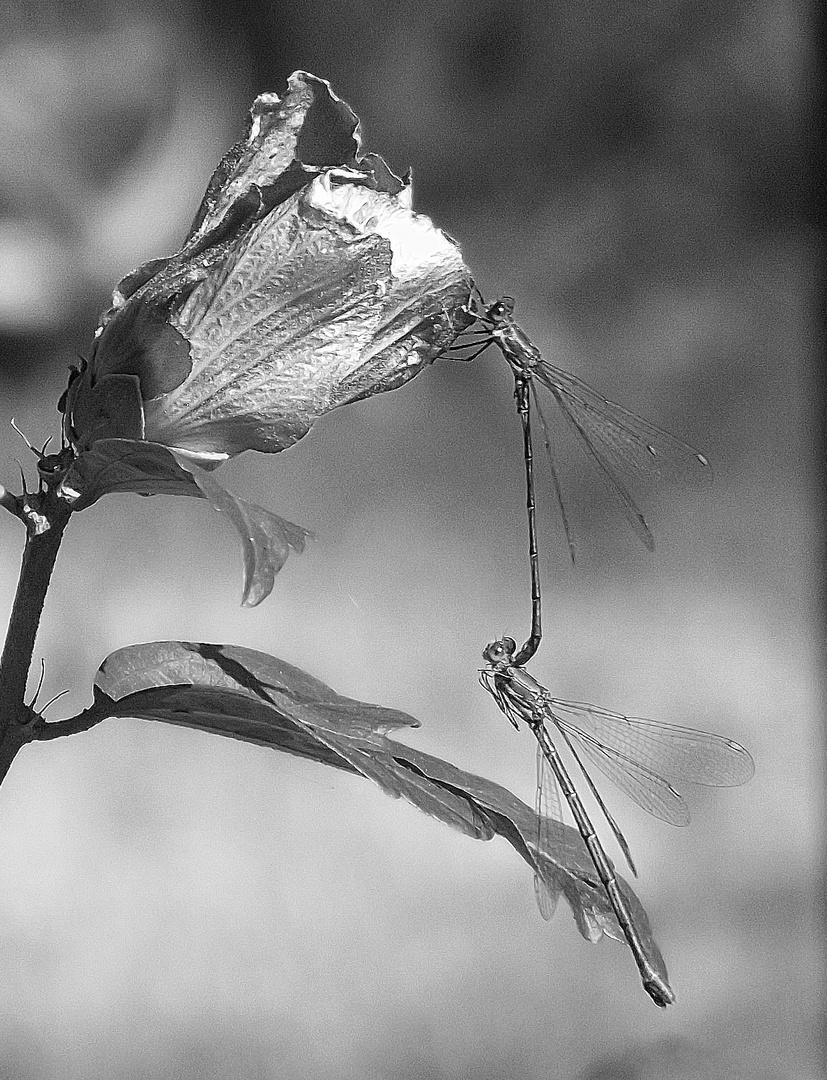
518, 349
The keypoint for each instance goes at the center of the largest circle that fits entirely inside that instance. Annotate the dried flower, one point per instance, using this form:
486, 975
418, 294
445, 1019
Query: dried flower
306, 282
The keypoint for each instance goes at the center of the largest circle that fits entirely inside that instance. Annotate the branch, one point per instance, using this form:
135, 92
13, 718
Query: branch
73, 725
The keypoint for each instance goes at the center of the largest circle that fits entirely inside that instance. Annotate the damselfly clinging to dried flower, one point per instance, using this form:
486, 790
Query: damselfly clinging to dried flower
642, 757
624, 446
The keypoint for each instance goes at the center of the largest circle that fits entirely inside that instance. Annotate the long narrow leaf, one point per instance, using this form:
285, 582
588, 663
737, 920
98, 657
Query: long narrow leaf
243, 694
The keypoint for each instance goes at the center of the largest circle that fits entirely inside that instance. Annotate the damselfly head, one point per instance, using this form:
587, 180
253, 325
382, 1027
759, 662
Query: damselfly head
501, 311
500, 652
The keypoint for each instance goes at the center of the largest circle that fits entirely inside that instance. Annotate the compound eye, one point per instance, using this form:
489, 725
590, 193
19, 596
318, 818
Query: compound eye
497, 651
491, 653
508, 646
502, 311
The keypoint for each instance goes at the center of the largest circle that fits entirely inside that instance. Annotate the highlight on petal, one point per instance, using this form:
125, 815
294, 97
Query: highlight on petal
417, 245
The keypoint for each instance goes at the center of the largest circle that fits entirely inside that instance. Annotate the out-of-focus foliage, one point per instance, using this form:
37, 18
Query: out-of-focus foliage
105, 131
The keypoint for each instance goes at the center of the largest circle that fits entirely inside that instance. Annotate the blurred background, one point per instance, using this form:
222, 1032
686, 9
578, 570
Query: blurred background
637, 175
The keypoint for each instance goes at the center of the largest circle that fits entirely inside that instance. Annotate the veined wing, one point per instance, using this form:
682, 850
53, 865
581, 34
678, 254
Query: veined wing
679, 753
552, 465
642, 756
548, 806
629, 442
622, 444
623, 843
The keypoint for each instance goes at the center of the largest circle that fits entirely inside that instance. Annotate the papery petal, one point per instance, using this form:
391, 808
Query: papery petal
294, 293
266, 538
336, 295
288, 140
309, 125
306, 282
415, 241
124, 465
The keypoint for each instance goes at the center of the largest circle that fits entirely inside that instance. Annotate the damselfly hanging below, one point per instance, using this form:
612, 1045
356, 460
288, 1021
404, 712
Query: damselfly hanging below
623, 446
642, 757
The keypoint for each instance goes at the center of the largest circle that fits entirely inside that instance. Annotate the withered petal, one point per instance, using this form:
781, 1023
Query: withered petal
306, 282
141, 341
340, 293
310, 125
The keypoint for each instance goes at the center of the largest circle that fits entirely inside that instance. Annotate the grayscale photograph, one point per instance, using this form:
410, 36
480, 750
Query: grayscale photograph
411, 548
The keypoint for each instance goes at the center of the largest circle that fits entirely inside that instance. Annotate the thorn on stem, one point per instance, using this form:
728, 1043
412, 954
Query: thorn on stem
37, 453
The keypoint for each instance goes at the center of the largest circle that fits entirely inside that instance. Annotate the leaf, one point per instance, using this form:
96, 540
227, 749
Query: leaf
563, 863
243, 694
123, 465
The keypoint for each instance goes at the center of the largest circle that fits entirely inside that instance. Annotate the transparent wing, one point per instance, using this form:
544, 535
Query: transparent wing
678, 753
651, 792
622, 842
548, 795
628, 441
549, 806
622, 444
552, 465
641, 756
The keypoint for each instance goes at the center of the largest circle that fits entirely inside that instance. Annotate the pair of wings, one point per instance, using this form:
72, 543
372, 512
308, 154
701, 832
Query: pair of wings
641, 757
624, 446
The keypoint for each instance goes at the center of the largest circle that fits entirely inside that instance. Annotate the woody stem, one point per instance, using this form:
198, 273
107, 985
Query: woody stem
45, 517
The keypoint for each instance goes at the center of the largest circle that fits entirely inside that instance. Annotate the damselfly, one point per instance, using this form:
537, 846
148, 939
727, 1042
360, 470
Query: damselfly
642, 757
623, 445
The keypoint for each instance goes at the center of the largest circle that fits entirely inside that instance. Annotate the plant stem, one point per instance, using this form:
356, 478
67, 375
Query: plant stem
45, 517
73, 725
